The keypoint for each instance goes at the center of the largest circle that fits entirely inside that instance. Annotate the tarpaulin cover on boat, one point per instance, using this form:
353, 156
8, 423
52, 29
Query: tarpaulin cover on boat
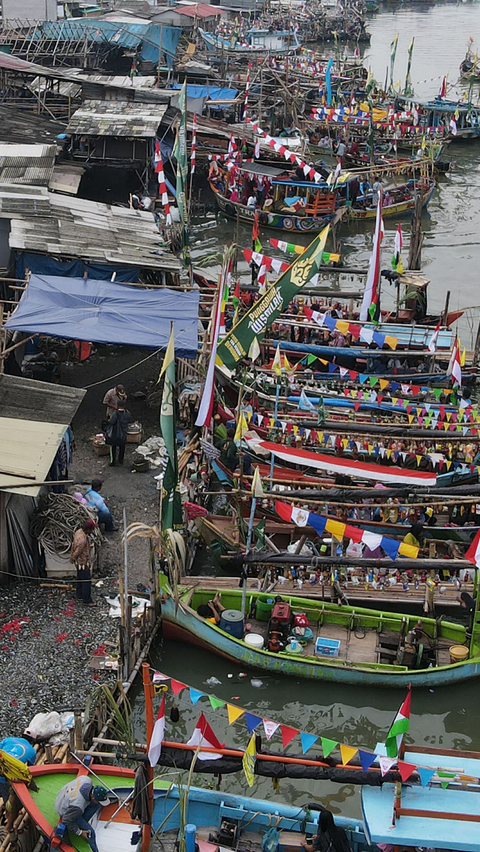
104, 312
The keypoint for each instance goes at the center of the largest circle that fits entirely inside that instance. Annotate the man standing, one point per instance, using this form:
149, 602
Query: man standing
113, 398
96, 501
116, 433
81, 556
76, 803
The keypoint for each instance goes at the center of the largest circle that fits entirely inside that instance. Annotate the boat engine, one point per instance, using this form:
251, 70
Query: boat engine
227, 835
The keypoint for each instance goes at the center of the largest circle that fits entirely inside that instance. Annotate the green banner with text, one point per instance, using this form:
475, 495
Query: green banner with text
255, 322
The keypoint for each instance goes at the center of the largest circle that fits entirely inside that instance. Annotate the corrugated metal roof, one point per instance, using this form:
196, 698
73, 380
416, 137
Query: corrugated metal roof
57, 225
27, 164
198, 10
108, 118
34, 418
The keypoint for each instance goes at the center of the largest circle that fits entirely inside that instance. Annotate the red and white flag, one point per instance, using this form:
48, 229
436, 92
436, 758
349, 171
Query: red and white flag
247, 89
204, 735
454, 367
432, 343
194, 145
443, 89
161, 182
256, 153
473, 552
155, 745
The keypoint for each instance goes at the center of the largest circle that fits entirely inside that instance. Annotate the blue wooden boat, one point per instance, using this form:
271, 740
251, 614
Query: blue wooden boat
259, 41
388, 654
430, 816
250, 818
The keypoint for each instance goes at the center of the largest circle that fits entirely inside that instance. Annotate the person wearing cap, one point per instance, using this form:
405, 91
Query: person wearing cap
114, 398
76, 803
81, 556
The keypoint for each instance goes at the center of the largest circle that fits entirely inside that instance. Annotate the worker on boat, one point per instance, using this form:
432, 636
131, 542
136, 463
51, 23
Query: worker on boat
76, 803
329, 838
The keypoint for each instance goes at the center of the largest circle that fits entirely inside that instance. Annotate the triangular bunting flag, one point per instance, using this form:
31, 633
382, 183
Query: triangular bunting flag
386, 763
405, 769
347, 752
328, 746
252, 721
366, 759
425, 775
177, 686
195, 694
308, 740
288, 734
234, 713
216, 702
269, 728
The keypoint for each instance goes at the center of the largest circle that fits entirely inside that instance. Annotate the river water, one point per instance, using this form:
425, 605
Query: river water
445, 717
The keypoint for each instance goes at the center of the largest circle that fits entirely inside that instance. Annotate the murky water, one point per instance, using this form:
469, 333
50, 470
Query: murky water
444, 717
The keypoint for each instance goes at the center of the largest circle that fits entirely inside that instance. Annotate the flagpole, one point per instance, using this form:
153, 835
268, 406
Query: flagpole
148, 693
249, 542
275, 414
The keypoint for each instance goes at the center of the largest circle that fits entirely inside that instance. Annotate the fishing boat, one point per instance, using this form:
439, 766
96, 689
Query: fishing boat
470, 66
302, 206
213, 813
262, 42
444, 814
347, 645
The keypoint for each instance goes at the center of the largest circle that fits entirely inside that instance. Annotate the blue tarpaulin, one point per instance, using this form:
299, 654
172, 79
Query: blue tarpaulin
215, 93
43, 265
105, 312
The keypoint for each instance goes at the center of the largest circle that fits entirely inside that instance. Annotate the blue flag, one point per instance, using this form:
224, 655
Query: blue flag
308, 741
328, 81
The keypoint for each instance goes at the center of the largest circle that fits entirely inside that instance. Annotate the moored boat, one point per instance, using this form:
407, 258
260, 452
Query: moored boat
389, 653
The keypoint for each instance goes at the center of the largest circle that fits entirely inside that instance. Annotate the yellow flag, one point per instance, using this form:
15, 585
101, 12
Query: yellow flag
169, 354
248, 761
286, 364
234, 713
277, 362
254, 350
347, 753
463, 357
242, 427
257, 488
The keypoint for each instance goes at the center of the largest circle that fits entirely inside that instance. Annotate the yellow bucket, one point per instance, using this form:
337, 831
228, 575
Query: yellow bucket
458, 653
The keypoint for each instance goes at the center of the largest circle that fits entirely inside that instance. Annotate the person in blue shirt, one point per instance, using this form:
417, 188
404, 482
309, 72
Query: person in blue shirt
96, 501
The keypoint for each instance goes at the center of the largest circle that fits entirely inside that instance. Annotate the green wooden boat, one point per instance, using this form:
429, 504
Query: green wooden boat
370, 647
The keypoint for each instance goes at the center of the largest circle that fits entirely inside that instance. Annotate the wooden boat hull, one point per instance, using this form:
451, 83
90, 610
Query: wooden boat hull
183, 623
277, 221
401, 208
205, 809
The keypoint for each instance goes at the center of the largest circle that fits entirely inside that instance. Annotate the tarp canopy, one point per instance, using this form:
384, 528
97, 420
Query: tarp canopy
104, 312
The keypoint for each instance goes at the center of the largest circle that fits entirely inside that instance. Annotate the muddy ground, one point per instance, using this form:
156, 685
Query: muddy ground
47, 638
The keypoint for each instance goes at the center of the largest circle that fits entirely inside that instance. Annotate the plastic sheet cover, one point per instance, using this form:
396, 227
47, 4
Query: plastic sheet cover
105, 312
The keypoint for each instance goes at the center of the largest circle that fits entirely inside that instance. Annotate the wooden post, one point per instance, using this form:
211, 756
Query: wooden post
78, 729
148, 693
3, 539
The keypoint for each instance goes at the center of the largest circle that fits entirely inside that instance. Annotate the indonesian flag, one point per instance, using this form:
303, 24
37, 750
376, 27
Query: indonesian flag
155, 745
370, 305
232, 145
443, 90
454, 367
473, 552
400, 726
453, 127
203, 735
432, 344
256, 153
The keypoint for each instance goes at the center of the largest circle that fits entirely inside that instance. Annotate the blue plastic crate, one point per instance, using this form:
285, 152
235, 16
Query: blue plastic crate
327, 647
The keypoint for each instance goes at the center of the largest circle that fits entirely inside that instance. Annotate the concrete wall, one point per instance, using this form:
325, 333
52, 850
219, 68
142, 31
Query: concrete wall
29, 10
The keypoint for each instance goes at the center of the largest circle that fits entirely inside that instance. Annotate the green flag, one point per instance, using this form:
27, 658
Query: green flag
171, 504
180, 154
255, 322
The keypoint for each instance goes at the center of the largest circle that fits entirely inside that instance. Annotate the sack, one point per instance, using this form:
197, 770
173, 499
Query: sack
271, 840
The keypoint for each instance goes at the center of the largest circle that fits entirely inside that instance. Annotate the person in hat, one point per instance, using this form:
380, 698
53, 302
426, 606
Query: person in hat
81, 556
114, 398
76, 803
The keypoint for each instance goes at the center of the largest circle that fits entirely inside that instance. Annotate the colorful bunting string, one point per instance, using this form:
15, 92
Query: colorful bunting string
347, 752
358, 332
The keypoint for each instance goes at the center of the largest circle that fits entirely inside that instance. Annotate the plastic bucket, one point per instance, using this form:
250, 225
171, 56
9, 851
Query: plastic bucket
255, 640
458, 653
264, 608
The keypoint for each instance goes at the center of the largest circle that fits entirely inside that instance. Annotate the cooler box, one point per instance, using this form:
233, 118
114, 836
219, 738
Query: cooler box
327, 647
283, 613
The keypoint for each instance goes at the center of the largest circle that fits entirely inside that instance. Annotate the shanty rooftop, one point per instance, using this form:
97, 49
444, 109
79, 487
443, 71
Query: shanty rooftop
52, 224
34, 418
108, 118
27, 164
